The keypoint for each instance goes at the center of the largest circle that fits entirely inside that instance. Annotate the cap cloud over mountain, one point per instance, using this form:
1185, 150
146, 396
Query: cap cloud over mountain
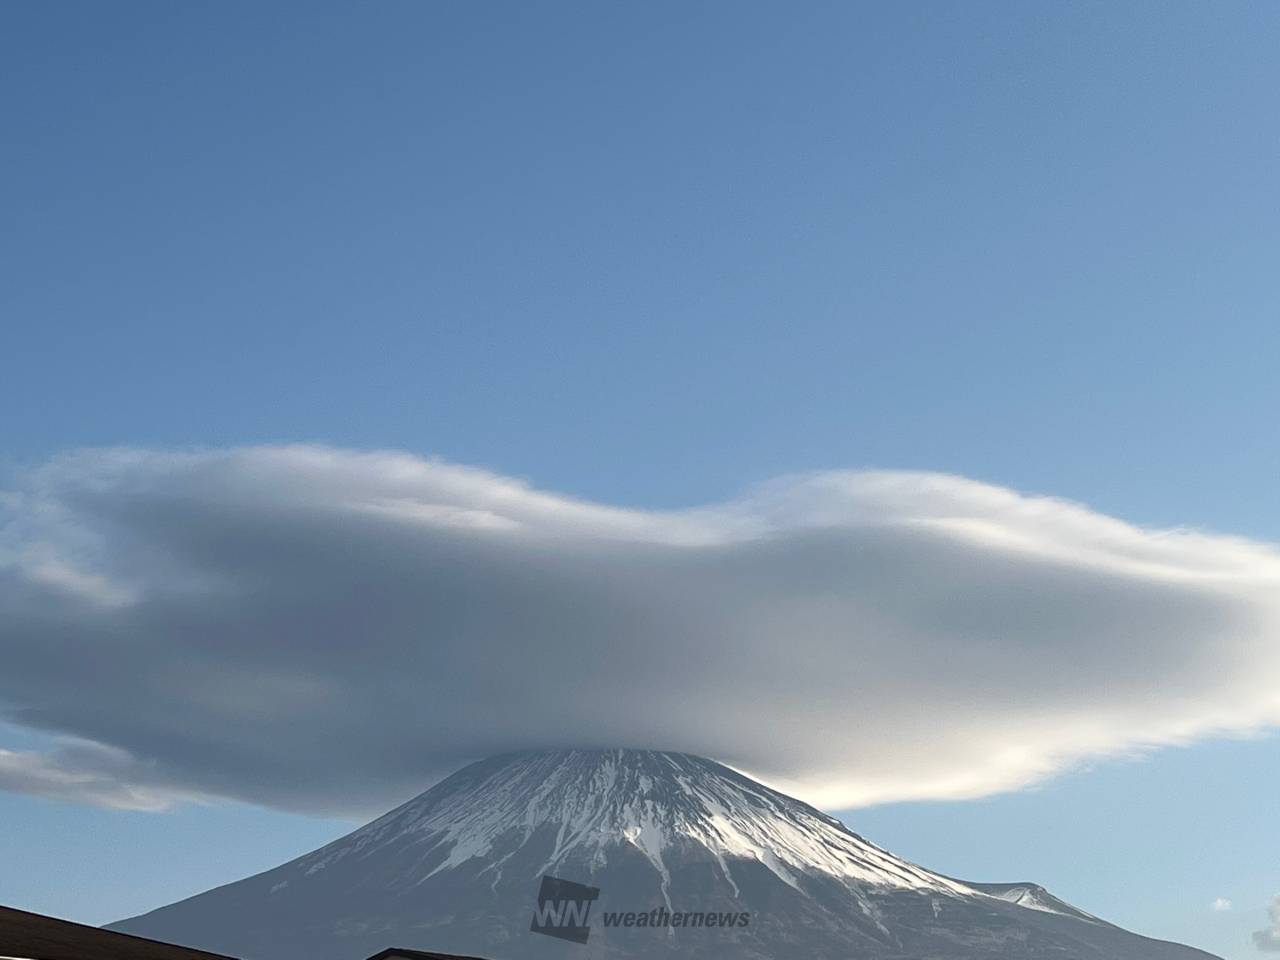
329, 630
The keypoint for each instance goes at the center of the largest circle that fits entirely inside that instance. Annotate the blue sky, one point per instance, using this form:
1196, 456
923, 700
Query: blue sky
650, 255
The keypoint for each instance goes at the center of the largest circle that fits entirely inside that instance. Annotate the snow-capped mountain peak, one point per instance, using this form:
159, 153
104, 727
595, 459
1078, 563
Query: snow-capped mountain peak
456, 869
655, 801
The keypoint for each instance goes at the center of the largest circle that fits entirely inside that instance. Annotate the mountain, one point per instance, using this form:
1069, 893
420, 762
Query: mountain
458, 869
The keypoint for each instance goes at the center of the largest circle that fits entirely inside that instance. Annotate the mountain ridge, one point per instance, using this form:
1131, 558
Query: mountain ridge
455, 868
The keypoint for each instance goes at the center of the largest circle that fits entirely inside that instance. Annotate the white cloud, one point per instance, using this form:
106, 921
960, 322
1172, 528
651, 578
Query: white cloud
86, 772
1268, 940
1221, 905
327, 630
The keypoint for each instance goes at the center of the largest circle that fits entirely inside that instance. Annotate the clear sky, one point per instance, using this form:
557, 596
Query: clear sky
651, 254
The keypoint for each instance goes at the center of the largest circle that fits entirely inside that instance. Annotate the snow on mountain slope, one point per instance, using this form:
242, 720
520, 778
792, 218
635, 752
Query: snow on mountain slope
457, 869
650, 799
1033, 897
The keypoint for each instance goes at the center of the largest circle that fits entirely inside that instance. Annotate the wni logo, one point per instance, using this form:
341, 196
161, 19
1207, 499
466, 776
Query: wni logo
564, 908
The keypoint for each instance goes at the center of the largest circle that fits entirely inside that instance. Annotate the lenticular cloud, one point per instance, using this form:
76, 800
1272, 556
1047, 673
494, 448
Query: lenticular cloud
327, 630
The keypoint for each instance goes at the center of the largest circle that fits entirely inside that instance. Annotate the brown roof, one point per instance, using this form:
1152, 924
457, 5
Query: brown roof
35, 937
